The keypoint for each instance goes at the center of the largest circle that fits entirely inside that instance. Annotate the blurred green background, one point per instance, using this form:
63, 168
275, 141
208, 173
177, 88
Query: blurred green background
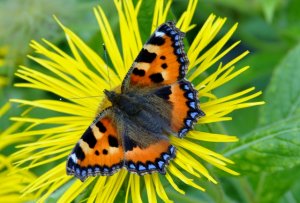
268, 154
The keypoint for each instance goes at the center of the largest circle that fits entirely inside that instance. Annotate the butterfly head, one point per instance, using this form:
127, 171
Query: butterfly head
112, 96
124, 102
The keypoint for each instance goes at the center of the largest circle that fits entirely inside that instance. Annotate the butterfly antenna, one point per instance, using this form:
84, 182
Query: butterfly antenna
62, 99
106, 62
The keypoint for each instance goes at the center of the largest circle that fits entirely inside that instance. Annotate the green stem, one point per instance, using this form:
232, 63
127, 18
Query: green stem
246, 190
260, 186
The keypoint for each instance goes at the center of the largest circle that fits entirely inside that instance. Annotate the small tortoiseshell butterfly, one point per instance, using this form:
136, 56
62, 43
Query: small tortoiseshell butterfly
155, 101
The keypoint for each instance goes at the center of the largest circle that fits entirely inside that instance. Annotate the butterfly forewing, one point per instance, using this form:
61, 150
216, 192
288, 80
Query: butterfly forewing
161, 61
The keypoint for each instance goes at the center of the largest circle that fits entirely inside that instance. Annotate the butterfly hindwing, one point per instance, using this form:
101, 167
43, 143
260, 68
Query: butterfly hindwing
162, 60
184, 109
99, 151
152, 158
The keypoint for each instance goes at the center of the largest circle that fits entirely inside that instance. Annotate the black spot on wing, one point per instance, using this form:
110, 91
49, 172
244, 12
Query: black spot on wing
138, 72
156, 41
164, 92
156, 77
89, 138
97, 153
164, 65
145, 56
163, 58
79, 153
104, 151
129, 144
113, 141
101, 127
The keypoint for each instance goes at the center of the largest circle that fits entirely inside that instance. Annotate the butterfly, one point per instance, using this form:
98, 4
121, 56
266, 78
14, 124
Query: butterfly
155, 101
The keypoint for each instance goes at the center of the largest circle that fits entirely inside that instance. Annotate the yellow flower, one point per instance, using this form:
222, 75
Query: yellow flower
84, 73
13, 181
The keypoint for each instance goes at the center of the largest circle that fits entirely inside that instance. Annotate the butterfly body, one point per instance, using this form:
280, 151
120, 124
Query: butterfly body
144, 111
154, 102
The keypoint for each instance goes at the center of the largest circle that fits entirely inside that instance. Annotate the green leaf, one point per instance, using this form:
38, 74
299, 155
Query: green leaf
270, 154
275, 146
145, 17
271, 148
272, 186
292, 195
283, 94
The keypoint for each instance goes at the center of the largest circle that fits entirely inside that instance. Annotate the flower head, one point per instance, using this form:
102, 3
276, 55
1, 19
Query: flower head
84, 73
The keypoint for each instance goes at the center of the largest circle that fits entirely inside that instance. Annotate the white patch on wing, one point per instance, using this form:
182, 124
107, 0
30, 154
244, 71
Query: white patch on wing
73, 157
159, 34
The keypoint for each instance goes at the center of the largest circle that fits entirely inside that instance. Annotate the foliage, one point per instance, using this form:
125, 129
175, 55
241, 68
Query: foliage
267, 155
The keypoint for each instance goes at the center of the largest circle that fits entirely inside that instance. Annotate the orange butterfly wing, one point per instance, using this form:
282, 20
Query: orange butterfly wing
145, 160
162, 60
99, 150
185, 110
